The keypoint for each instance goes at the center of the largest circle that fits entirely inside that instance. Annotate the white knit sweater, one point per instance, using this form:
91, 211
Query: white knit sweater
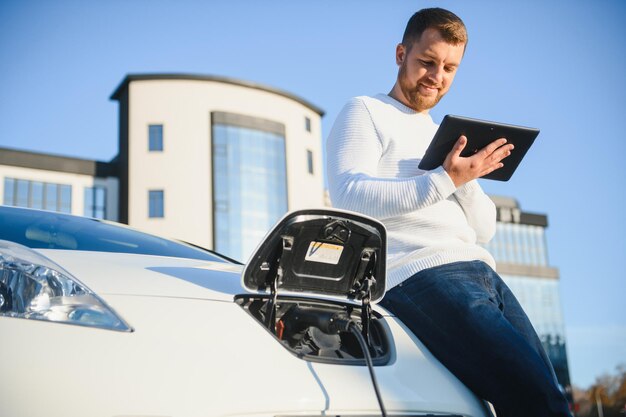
372, 154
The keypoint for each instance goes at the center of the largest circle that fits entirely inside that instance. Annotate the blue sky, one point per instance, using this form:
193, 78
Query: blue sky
556, 65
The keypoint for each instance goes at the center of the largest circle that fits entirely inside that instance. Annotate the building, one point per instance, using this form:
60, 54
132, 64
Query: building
520, 250
59, 183
210, 160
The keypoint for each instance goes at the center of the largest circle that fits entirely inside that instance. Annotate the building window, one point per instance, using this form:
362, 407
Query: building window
307, 123
9, 191
22, 191
155, 138
521, 244
65, 198
309, 161
52, 193
38, 195
156, 204
249, 181
95, 202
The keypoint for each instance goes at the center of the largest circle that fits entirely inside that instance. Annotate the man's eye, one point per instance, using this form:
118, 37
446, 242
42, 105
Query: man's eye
449, 69
425, 63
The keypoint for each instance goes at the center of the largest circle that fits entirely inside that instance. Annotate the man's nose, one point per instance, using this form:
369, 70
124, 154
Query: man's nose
436, 75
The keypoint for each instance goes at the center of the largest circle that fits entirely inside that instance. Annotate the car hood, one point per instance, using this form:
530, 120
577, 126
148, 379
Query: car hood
148, 275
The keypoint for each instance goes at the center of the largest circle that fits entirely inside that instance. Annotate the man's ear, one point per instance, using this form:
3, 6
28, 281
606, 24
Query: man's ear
400, 54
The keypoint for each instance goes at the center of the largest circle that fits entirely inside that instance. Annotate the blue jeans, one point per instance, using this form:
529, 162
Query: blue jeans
469, 319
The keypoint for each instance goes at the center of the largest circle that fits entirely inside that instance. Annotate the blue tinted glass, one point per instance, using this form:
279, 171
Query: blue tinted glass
155, 203
538, 241
51, 197
22, 193
100, 199
88, 203
250, 187
36, 195
9, 191
95, 202
309, 161
65, 198
155, 137
519, 244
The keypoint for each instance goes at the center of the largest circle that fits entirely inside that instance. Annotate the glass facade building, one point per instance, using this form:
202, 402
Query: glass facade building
521, 244
249, 181
520, 250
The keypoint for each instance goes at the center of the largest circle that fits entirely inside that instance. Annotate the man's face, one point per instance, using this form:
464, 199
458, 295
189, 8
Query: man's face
427, 69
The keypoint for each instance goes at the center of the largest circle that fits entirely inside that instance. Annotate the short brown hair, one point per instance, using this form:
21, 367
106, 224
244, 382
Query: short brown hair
449, 25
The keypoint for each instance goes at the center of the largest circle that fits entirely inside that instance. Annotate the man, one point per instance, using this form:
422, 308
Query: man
440, 284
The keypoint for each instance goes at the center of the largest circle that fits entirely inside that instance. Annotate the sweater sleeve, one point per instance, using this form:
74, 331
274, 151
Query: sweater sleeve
353, 152
479, 210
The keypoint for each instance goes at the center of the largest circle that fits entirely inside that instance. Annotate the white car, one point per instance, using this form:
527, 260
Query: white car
97, 319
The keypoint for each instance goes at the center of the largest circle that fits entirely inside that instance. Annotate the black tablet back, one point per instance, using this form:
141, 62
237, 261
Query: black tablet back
479, 133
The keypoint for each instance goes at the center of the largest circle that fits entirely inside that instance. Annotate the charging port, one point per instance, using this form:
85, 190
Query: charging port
319, 331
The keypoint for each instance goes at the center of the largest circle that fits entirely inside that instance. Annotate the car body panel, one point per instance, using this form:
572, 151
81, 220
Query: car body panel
193, 352
172, 364
159, 276
182, 371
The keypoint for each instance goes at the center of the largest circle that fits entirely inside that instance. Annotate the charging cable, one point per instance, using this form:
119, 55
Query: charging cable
338, 323
298, 318
354, 329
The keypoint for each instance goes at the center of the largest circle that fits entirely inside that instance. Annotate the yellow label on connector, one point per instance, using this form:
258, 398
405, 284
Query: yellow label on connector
324, 252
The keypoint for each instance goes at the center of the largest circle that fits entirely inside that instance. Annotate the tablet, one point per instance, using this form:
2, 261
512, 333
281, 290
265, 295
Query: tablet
479, 133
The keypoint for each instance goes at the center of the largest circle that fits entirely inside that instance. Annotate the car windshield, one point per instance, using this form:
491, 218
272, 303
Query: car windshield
48, 230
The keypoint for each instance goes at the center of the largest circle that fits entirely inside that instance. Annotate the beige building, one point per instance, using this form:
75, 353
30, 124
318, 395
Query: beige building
210, 160
59, 183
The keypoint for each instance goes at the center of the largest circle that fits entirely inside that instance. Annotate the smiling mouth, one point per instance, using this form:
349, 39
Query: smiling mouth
428, 89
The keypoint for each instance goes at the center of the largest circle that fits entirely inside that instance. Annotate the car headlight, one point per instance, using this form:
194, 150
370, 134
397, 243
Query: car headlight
34, 287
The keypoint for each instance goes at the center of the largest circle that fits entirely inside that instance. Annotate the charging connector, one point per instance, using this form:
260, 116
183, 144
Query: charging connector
297, 319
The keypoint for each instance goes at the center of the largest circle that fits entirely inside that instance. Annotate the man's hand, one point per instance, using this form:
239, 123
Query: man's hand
486, 160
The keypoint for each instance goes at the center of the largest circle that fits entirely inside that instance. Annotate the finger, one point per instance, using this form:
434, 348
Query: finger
502, 153
489, 149
508, 150
456, 150
494, 161
490, 169
459, 146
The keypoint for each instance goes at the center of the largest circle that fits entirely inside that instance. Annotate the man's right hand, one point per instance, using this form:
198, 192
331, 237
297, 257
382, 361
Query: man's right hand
488, 159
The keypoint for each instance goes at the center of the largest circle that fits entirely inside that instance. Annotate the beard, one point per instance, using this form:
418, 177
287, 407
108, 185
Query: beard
416, 100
